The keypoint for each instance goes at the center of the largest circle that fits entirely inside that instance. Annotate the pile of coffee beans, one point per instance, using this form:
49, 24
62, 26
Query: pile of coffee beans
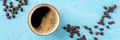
82, 38
11, 10
72, 30
106, 13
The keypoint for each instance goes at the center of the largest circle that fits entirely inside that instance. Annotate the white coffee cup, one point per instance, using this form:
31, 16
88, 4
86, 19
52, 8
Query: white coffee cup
44, 28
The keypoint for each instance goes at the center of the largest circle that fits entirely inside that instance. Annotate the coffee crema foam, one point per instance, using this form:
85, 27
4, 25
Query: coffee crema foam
48, 23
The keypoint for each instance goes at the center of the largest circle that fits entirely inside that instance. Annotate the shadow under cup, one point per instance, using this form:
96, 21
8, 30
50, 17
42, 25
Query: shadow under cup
43, 19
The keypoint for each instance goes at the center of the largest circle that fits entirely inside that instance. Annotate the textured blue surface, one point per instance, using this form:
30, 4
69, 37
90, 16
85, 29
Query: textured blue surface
75, 12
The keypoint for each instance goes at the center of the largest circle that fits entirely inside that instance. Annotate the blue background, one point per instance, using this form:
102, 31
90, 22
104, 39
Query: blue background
74, 12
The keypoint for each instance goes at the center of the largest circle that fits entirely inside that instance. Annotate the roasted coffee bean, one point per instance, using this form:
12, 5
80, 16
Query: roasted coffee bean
13, 9
7, 14
15, 12
103, 17
86, 27
91, 32
78, 33
10, 10
112, 22
102, 23
11, 6
99, 23
20, 1
13, 16
69, 29
71, 36
21, 9
95, 38
95, 26
25, 2
105, 7
5, 10
65, 28
19, 5
90, 29
11, 3
6, 6
101, 29
16, 8
101, 33
8, 17
97, 33
4, 1
68, 25
111, 9
107, 27
84, 37
108, 16
78, 27
115, 6
106, 13
73, 28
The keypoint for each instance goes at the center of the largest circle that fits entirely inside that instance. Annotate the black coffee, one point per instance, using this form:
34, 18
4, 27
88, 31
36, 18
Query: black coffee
38, 15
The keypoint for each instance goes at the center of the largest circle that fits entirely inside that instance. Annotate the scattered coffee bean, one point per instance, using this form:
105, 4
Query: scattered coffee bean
16, 8
19, 5
69, 30
111, 9
10, 10
101, 29
4, 1
95, 38
115, 6
13, 9
20, 1
11, 3
5, 10
91, 32
8, 17
97, 33
64, 28
102, 23
106, 13
95, 26
6, 6
15, 12
71, 36
82, 38
105, 7
108, 27
21, 9
11, 6
78, 33
68, 25
86, 27
101, 33
7, 14
78, 27
90, 29
107, 16
112, 22
13, 16
25, 2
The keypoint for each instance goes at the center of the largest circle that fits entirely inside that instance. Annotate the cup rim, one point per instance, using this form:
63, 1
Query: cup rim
31, 12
